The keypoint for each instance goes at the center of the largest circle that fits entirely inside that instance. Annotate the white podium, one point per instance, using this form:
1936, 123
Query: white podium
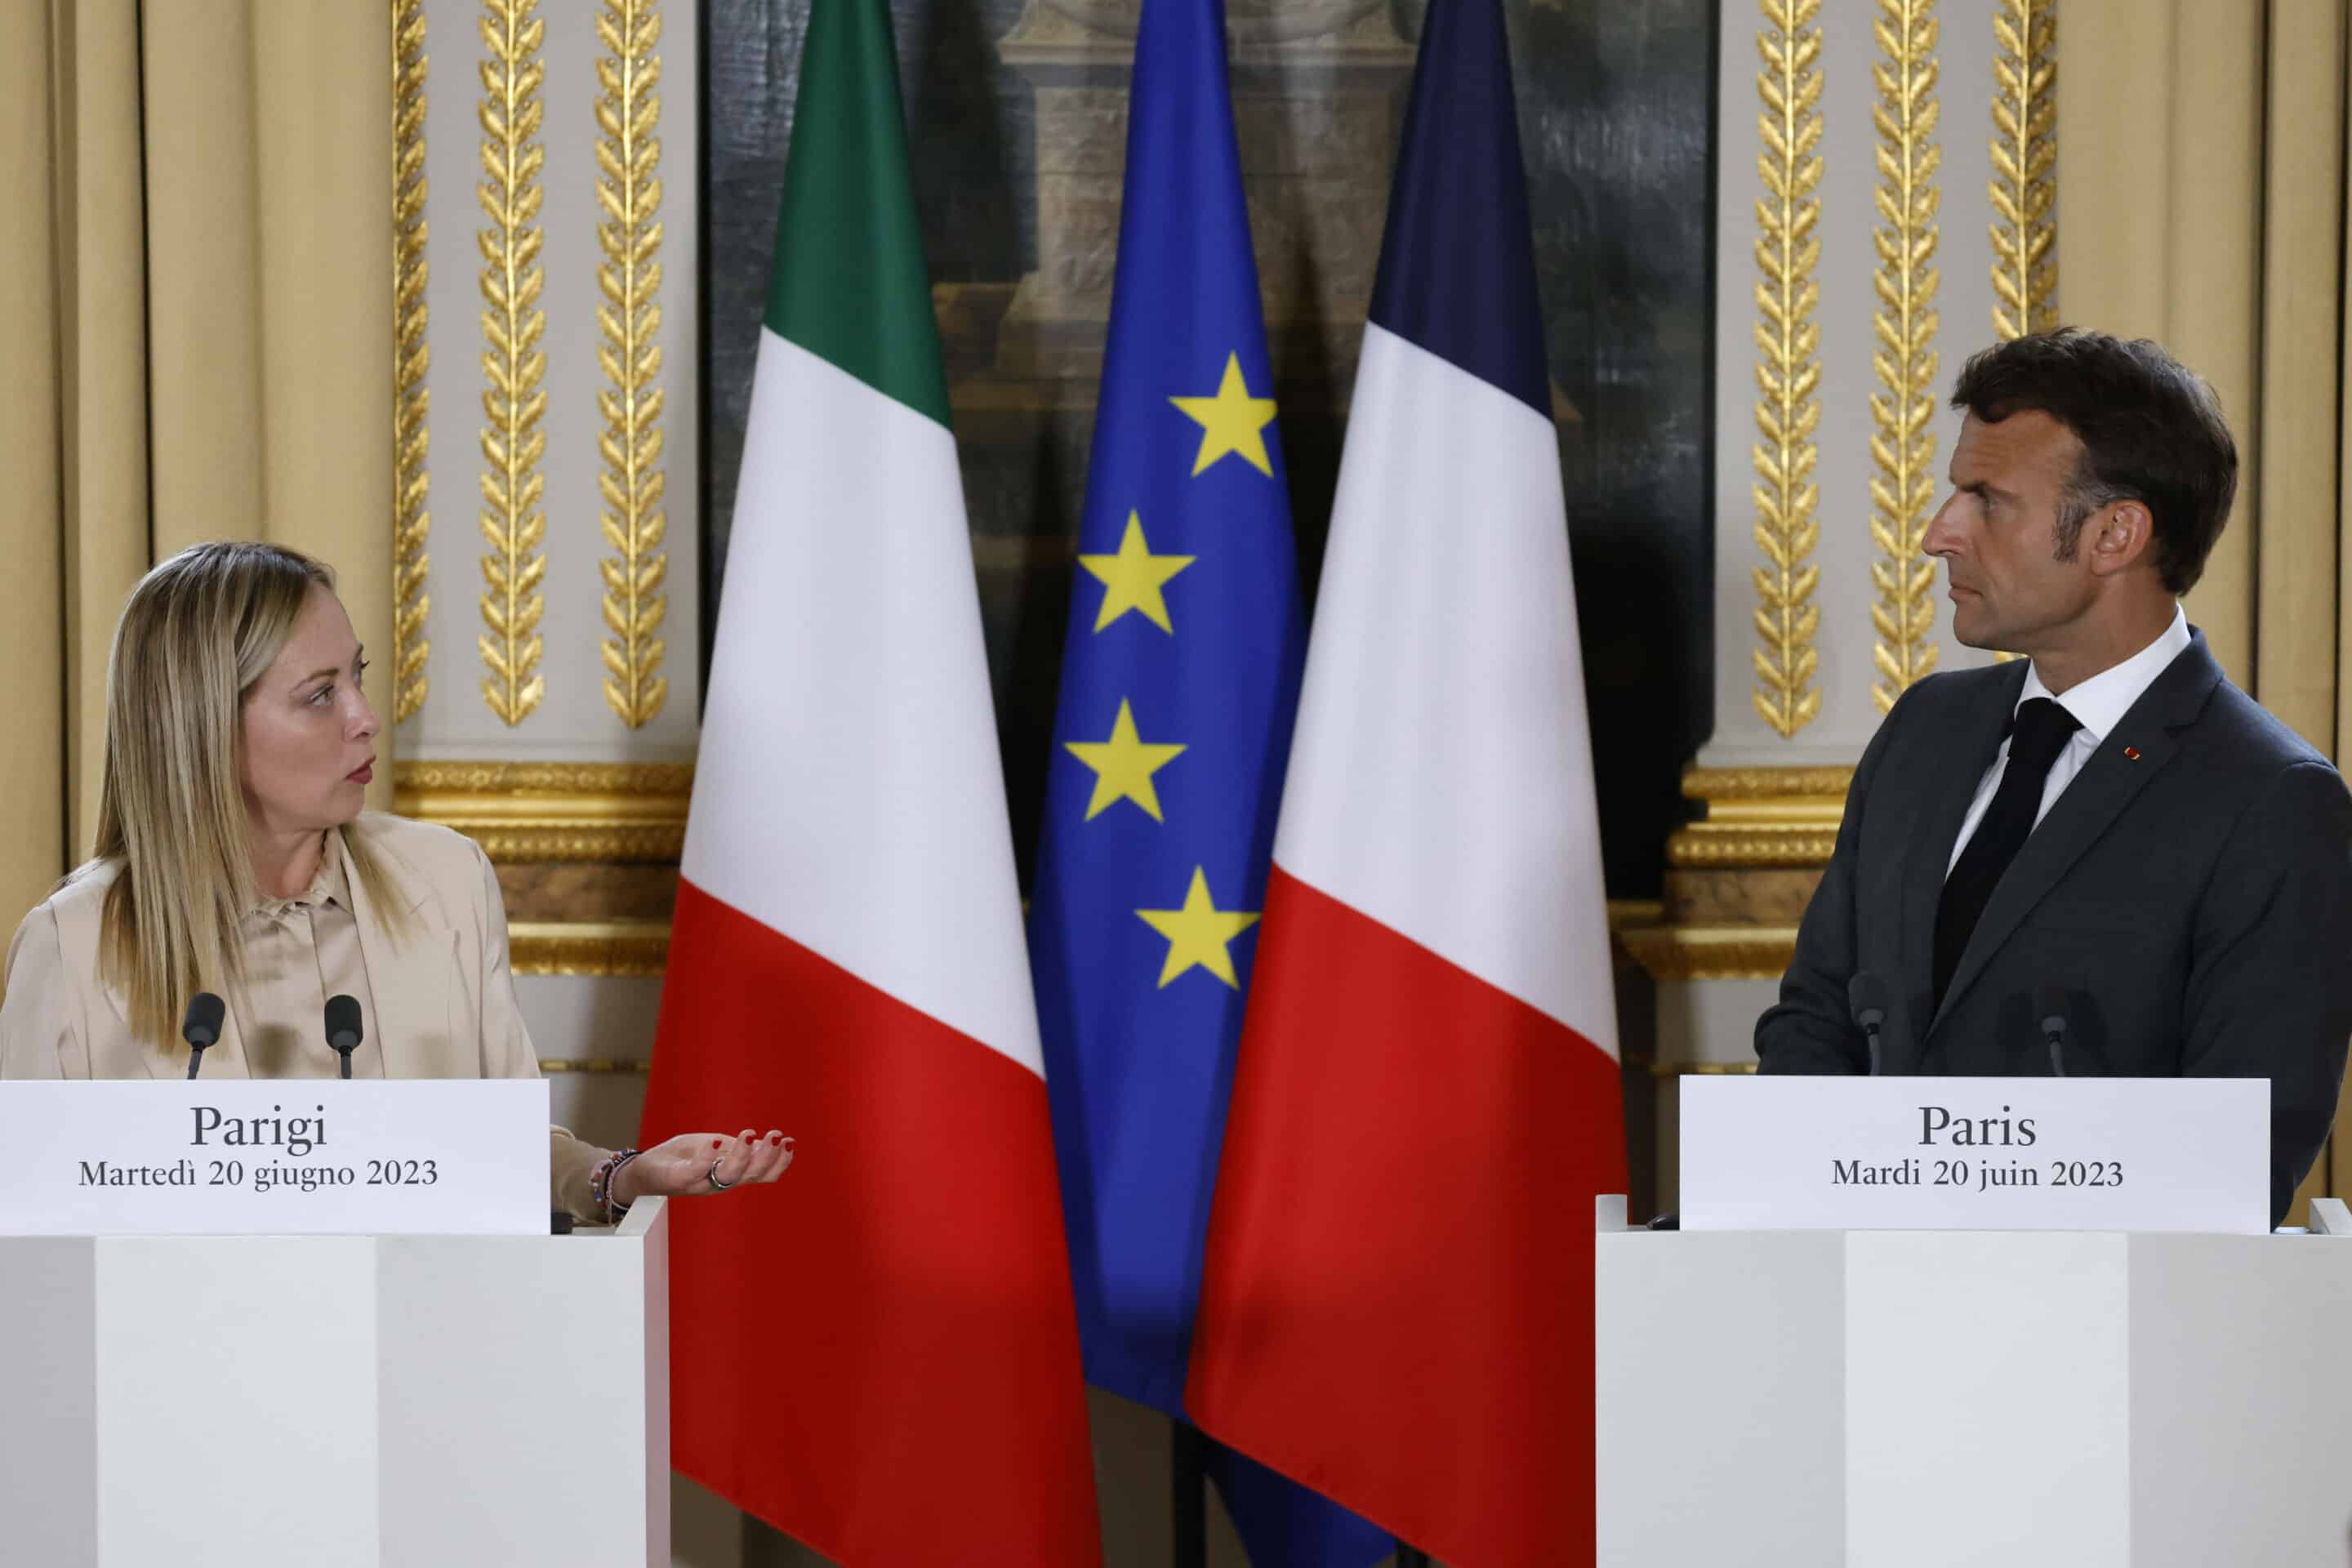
368, 1402
1919, 1399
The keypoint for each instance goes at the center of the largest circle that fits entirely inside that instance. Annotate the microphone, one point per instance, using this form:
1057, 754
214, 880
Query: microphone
1866, 994
2049, 1006
202, 1026
344, 1029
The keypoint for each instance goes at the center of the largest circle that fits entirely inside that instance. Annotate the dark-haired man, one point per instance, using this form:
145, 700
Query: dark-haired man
2108, 816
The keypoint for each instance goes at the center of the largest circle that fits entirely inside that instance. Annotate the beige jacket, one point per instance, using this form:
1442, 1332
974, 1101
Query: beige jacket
444, 998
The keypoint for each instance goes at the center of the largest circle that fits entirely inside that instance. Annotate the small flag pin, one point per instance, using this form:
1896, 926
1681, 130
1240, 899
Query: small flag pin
2131, 753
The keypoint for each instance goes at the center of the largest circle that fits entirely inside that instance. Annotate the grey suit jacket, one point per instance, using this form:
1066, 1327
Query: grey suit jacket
2193, 903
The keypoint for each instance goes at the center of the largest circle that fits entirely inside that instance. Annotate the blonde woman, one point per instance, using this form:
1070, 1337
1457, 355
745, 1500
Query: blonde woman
233, 858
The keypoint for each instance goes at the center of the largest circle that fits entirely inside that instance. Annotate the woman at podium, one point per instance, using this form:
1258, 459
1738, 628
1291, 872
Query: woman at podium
233, 860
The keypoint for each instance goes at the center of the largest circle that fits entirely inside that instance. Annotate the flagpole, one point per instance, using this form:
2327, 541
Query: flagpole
1189, 1495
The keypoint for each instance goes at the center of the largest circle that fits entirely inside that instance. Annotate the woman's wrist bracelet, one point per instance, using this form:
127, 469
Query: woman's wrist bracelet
600, 1184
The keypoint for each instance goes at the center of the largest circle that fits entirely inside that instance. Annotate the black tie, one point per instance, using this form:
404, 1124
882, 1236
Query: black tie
2041, 732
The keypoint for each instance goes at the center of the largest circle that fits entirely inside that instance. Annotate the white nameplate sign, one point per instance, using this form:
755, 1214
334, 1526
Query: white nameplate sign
275, 1157
1976, 1153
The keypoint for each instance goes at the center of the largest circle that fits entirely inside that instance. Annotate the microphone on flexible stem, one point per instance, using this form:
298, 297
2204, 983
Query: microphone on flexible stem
1866, 994
344, 1029
202, 1026
2049, 1006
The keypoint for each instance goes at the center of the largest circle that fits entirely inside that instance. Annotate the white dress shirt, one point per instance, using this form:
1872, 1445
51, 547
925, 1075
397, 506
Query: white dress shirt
2097, 704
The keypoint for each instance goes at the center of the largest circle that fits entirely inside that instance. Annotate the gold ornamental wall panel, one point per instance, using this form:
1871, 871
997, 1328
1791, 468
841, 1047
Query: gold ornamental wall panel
1903, 445
545, 264
544, 313
1856, 232
1886, 208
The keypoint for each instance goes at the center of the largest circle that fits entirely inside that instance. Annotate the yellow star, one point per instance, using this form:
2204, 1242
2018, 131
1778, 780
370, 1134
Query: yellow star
1233, 421
1132, 578
1123, 766
1198, 933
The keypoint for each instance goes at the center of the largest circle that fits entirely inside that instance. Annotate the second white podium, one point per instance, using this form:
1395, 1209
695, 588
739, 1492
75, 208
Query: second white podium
368, 1402
1954, 1399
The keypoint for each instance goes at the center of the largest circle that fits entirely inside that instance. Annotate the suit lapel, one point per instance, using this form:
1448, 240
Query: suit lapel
411, 1004
1960, 767
2108, 782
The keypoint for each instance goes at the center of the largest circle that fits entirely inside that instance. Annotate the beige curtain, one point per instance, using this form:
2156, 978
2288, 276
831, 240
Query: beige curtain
2202, 202
195, 271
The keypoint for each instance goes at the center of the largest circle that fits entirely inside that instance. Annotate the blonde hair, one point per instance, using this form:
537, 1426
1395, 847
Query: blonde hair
199, 630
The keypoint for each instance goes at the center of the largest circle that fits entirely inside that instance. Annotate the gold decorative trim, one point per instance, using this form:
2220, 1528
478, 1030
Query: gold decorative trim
513, 525
1712, 844
551, 1066
1713, 785
2024, 188
628, 320
410, 357
1902, 441
1788, 366
549, 778
1785, 817
553, 811
1712, 953
637, 948
1697, 1070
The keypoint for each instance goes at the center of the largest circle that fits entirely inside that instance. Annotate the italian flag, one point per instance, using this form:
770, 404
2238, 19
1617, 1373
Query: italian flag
878, 1355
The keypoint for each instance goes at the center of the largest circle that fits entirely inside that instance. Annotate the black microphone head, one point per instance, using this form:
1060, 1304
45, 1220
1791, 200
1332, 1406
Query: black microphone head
202, 1026
1866, 994
2049, 1008
343, 1024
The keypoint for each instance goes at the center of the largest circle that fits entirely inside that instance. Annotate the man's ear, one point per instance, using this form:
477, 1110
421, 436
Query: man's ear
2119, 536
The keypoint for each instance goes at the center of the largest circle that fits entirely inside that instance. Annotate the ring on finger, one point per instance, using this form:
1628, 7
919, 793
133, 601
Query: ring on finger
716, 1184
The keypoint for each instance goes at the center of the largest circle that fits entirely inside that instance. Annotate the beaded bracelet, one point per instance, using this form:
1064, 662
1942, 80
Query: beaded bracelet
600, 1184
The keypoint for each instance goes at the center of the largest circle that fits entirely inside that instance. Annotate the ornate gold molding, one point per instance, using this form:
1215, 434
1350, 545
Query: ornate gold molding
1760, 817
553, 811
513, 525
1712, 952
628, 320
551, 1066
604, 948
1707, 845
669, 779
410, 357
1716, 785
1658, 1070
1788, 367
2024, 188
1903, 444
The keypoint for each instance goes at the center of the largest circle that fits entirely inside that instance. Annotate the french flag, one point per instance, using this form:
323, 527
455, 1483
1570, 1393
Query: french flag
1397, 1306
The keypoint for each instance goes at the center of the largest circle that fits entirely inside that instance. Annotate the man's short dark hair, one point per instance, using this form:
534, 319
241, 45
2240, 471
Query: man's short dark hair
2151, 431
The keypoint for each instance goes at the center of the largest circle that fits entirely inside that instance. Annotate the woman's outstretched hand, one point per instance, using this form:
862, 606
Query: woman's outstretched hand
695, 1162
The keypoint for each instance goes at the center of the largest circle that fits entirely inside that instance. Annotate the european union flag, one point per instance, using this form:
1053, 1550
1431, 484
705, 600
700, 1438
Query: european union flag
1178, 684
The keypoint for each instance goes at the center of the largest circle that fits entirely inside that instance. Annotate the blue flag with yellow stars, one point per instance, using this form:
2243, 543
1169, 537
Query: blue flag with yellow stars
1179, 682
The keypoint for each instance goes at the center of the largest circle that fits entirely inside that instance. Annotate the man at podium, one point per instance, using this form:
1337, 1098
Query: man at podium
2101, 857
236, 877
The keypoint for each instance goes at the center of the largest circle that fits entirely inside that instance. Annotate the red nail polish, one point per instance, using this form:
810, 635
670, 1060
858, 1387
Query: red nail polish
719, 1142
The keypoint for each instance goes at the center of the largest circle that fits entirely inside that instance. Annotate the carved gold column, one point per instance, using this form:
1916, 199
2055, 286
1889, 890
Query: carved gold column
513, 526
1787, 370
412, 436
2025, 192
628, 324
1902, 447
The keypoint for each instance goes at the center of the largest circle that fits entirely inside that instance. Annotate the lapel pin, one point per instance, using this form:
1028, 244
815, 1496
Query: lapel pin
2131, 753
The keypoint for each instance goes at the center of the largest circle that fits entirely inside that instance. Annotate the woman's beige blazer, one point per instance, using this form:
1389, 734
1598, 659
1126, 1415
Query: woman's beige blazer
443, 996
